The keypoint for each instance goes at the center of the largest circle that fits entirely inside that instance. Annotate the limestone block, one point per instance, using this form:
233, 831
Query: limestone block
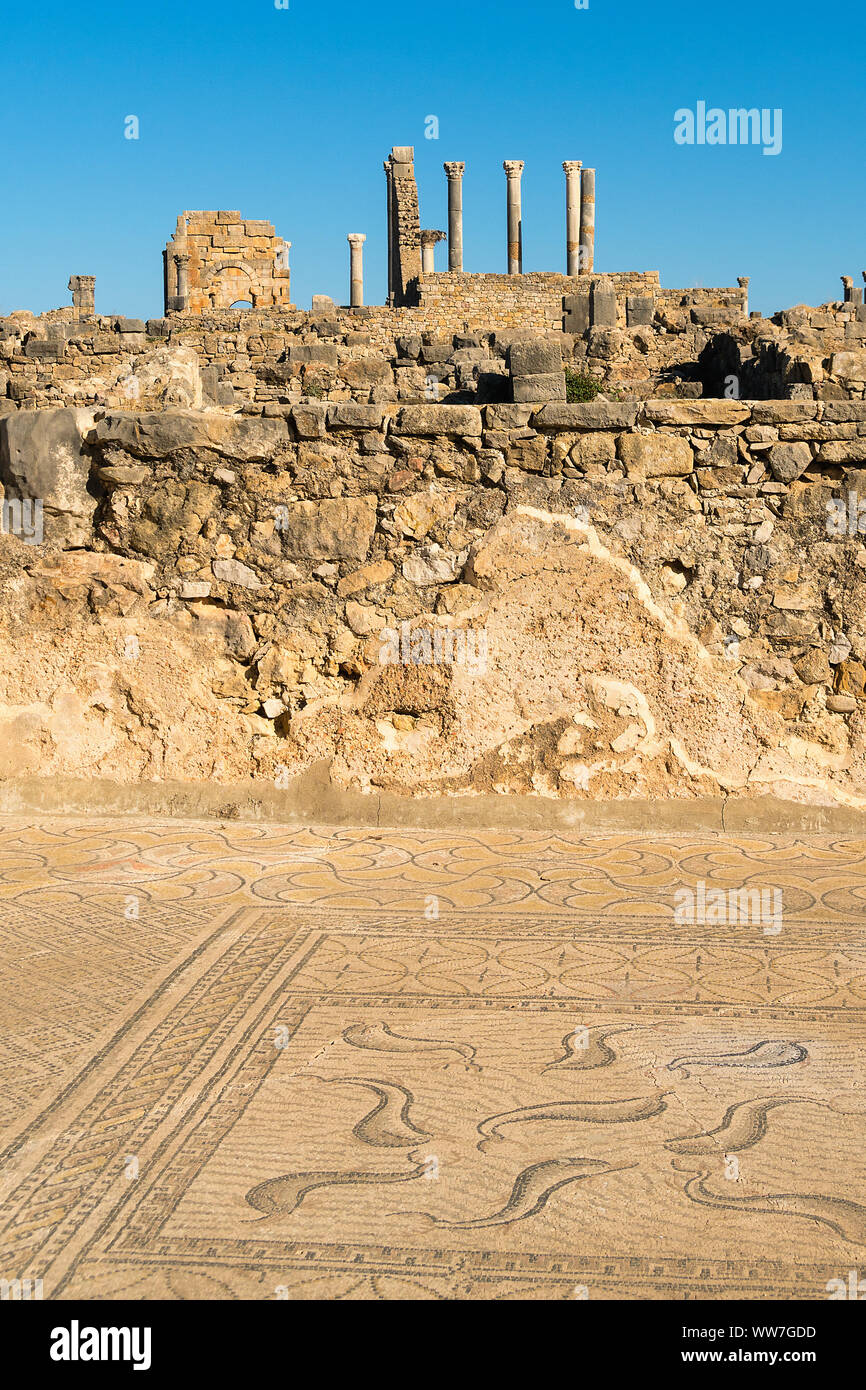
43, 456
535, 358
366, 371
549, 387
347, 415
787, 412
655, 455
432, 566
454, 420
332, 529
310, 419
602, 304
789, 461
301, 353
639, 310
849, 366
169, 432
700, 412
233, 572
586, 415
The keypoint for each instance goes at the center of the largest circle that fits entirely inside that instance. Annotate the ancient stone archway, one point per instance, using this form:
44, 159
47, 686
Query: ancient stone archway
216, 259
230, 282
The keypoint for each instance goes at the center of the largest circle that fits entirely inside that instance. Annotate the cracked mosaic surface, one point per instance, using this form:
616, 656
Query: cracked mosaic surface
241, 1061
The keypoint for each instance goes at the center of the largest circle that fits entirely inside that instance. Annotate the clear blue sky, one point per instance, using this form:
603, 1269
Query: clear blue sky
288, 115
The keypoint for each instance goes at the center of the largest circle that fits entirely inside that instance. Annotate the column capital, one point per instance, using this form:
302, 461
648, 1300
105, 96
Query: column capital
513, 168
182, 257
454, 168
356, 238
572, 166
431, 238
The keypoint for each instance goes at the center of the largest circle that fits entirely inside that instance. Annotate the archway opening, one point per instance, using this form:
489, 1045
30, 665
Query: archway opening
242, 304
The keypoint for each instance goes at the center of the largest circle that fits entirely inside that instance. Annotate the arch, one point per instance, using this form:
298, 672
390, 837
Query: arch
231, 282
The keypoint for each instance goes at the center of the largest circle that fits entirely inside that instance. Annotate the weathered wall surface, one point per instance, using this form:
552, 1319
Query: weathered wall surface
607, 601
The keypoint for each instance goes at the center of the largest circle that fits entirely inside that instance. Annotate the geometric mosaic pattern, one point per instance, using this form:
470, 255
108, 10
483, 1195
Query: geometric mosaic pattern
249, 1062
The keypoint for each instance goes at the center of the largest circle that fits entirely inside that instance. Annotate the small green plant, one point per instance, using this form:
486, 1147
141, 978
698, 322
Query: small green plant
579, 387
314, 389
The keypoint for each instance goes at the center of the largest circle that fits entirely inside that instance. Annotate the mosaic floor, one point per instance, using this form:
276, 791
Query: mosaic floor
246, 1062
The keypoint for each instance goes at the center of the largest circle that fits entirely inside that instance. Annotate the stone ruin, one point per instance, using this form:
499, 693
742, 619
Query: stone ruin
670, 576
218, 259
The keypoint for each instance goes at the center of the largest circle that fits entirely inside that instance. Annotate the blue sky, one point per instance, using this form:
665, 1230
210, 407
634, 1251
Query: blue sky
287, 114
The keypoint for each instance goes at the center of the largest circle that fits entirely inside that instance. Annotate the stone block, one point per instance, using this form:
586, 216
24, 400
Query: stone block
451, 420
602, 304
43, 456
539, 388
639, 310
785, 412
789, 461
506, 417
310, 419
333, 529
535, 358
162, 434
700, 412
586, 415
575, 317
346, 415
655, 456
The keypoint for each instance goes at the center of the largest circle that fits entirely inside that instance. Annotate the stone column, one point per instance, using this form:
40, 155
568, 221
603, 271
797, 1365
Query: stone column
587, 220
572, 169
429, 240
356, 273
389, 193
847, 288
454, 171
514, 170
83, 289
181, 260
743, 282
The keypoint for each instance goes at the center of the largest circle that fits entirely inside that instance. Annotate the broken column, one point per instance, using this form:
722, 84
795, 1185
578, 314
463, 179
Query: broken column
83, 289
181, 261
454, 170
356, 272
514, 171
847, 288
743, 282
587, 220
429, 240
572, 169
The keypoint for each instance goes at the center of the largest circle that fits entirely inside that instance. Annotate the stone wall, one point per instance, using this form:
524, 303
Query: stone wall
663, 599
633, 339
532, 302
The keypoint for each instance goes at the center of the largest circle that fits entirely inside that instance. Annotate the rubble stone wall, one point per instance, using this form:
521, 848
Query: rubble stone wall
575, 602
